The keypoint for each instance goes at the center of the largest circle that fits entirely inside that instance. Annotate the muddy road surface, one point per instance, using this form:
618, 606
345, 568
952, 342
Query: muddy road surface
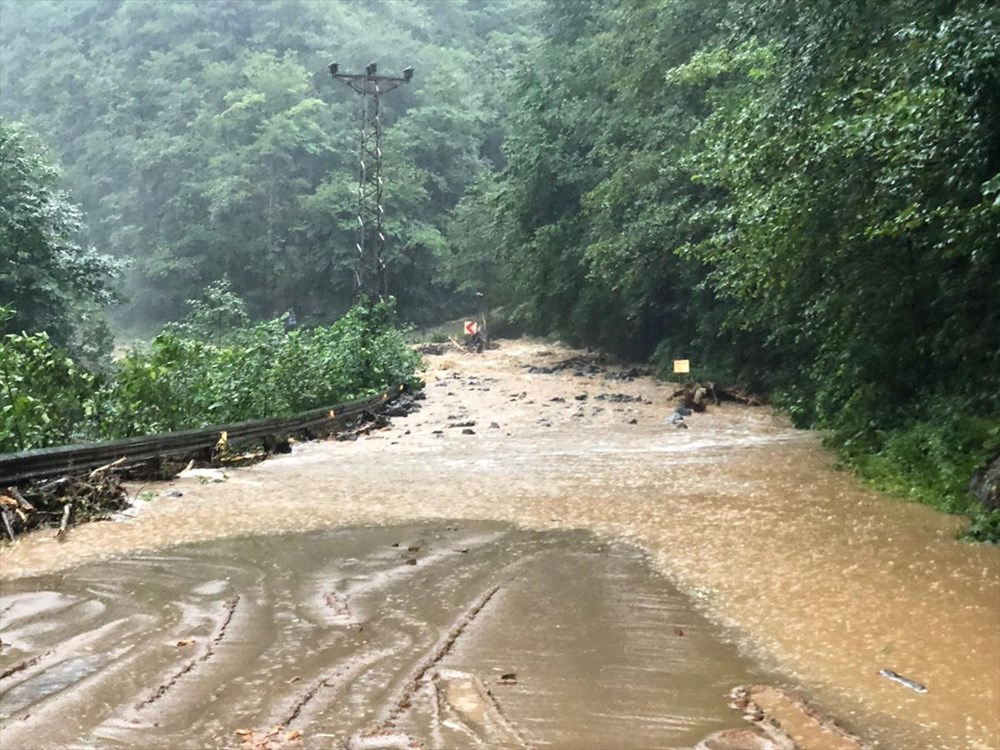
293, 608
433, 635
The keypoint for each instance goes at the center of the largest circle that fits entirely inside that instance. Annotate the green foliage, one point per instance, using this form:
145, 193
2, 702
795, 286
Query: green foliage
473, 262
45, 398
180, 381
856, 231
802, 194
985, 527
207, 139
929, 457
218, 316
52, 282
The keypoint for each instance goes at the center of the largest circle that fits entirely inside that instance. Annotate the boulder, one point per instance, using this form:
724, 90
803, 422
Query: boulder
985, 483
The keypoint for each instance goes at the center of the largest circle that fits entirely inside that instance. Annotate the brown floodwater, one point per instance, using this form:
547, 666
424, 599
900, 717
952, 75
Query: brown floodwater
812, 575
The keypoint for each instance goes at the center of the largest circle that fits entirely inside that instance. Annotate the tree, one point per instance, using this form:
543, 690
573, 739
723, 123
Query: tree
53, 283
856, 148
206, 139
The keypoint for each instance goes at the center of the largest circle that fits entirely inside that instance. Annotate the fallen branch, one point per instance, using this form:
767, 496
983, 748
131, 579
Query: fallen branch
21, 502
6, 523
104, 468
67, 510
49, 486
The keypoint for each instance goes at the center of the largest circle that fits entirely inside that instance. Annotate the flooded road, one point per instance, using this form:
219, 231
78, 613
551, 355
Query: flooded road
812, 576
430, 635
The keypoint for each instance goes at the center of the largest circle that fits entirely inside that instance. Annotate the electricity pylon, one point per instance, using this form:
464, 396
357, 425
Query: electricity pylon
369, 273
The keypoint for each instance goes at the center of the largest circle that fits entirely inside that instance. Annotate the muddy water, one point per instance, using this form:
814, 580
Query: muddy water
821, 578
446, 635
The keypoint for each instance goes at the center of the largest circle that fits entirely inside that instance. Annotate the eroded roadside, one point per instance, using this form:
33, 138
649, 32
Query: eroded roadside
821, 580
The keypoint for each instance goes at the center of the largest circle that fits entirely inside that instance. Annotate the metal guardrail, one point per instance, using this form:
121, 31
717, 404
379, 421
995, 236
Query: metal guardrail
48, 462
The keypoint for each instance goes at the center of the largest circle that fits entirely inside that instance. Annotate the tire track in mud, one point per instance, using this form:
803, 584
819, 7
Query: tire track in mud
337, 681
229, 611
413, 683
340, 604
415, 680
23, 665
338, 640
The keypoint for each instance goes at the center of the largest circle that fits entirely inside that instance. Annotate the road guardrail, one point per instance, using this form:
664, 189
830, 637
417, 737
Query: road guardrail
40, 463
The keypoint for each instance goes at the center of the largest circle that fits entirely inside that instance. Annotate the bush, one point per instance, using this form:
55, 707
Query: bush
928, 456
257, 371
985, 527
45, 399
181, 381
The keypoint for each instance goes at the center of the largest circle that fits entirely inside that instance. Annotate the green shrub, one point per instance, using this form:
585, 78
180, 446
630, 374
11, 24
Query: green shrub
45, 398
181, 381
928, 454
985, 527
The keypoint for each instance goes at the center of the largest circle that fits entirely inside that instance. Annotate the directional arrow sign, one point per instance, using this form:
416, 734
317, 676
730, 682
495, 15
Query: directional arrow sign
470, 327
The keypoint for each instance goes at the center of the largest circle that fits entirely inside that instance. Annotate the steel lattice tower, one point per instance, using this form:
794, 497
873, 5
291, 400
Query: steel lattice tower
369, 274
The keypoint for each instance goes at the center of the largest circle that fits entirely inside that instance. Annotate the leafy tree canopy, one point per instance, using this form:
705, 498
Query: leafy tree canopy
207, 139
52, 282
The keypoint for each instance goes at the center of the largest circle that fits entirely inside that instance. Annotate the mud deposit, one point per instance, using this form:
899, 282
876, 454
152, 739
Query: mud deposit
444, 635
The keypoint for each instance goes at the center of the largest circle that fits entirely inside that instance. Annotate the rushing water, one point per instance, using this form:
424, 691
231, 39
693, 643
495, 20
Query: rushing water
820, 578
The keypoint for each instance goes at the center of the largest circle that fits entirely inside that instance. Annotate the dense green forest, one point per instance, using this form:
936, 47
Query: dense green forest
799, 194
205, 139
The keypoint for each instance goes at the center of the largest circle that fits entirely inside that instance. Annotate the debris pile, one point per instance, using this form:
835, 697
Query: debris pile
64, 501
621, 398
404, 404
363, 424
628, 375
698, 396
100, 495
